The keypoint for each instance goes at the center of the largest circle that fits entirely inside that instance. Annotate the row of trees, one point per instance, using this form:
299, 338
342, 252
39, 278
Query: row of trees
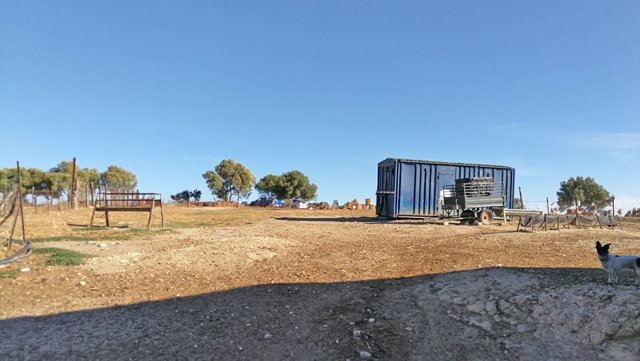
231, 179
57, 180
583, 193
187, 196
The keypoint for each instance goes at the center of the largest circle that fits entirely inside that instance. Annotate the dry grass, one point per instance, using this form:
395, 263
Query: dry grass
73, 225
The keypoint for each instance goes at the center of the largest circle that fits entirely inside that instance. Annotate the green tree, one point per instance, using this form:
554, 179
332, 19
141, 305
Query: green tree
293, 184
57, 182
83, 175
589, 194
118, 179
63, 167
270, 185
30, 177
229, 179
59, 177
195, 194
182, 197
88, 176
7, 179
215, 183
34, 179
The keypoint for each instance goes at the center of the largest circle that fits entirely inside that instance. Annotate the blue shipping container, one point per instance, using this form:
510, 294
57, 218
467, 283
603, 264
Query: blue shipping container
412, 188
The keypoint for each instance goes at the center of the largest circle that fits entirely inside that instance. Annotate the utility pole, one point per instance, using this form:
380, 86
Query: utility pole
548, 210
613, 205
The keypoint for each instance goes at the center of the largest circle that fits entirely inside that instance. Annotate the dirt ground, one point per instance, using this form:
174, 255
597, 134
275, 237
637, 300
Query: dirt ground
306, 284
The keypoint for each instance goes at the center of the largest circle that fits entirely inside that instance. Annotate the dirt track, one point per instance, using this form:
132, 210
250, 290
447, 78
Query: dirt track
304, 285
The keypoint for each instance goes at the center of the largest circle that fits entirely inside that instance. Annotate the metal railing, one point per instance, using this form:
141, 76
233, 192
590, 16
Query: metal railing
124, 200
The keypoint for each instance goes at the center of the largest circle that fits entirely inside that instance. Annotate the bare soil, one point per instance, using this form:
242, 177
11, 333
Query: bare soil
306, 284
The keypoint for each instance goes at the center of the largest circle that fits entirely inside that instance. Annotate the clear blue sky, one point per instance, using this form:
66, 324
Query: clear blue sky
169, 89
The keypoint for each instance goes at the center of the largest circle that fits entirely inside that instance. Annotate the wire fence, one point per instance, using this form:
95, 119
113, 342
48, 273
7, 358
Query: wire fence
623, 206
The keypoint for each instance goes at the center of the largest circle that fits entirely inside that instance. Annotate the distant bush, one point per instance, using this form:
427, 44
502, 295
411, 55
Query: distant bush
187, 196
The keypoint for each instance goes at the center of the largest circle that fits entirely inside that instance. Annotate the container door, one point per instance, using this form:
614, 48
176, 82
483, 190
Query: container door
386, 191
446, 177
407, 189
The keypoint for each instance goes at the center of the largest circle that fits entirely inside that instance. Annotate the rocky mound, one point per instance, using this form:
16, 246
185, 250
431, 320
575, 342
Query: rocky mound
527, 313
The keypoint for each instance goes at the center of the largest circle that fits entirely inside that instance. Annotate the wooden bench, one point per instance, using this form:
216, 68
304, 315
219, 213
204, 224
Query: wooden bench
127, 202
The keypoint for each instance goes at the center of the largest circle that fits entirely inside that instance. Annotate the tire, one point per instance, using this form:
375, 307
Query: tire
485, 216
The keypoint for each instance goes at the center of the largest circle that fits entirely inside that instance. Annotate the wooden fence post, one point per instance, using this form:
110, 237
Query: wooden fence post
34, 198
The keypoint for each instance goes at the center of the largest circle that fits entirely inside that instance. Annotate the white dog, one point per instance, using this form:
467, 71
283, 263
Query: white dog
613, 263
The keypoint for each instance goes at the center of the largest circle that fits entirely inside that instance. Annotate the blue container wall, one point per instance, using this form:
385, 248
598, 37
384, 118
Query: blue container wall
414, 188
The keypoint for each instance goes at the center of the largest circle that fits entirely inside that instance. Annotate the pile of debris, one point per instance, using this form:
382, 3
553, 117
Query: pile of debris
320, 205
225, 204
633, 213
355, 205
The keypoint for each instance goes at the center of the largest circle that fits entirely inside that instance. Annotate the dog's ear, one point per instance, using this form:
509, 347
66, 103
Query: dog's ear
598, 244
606, 246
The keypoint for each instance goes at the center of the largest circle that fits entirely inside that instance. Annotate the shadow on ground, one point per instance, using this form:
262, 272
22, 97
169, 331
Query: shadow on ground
96, 226
396, 319
356, 219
